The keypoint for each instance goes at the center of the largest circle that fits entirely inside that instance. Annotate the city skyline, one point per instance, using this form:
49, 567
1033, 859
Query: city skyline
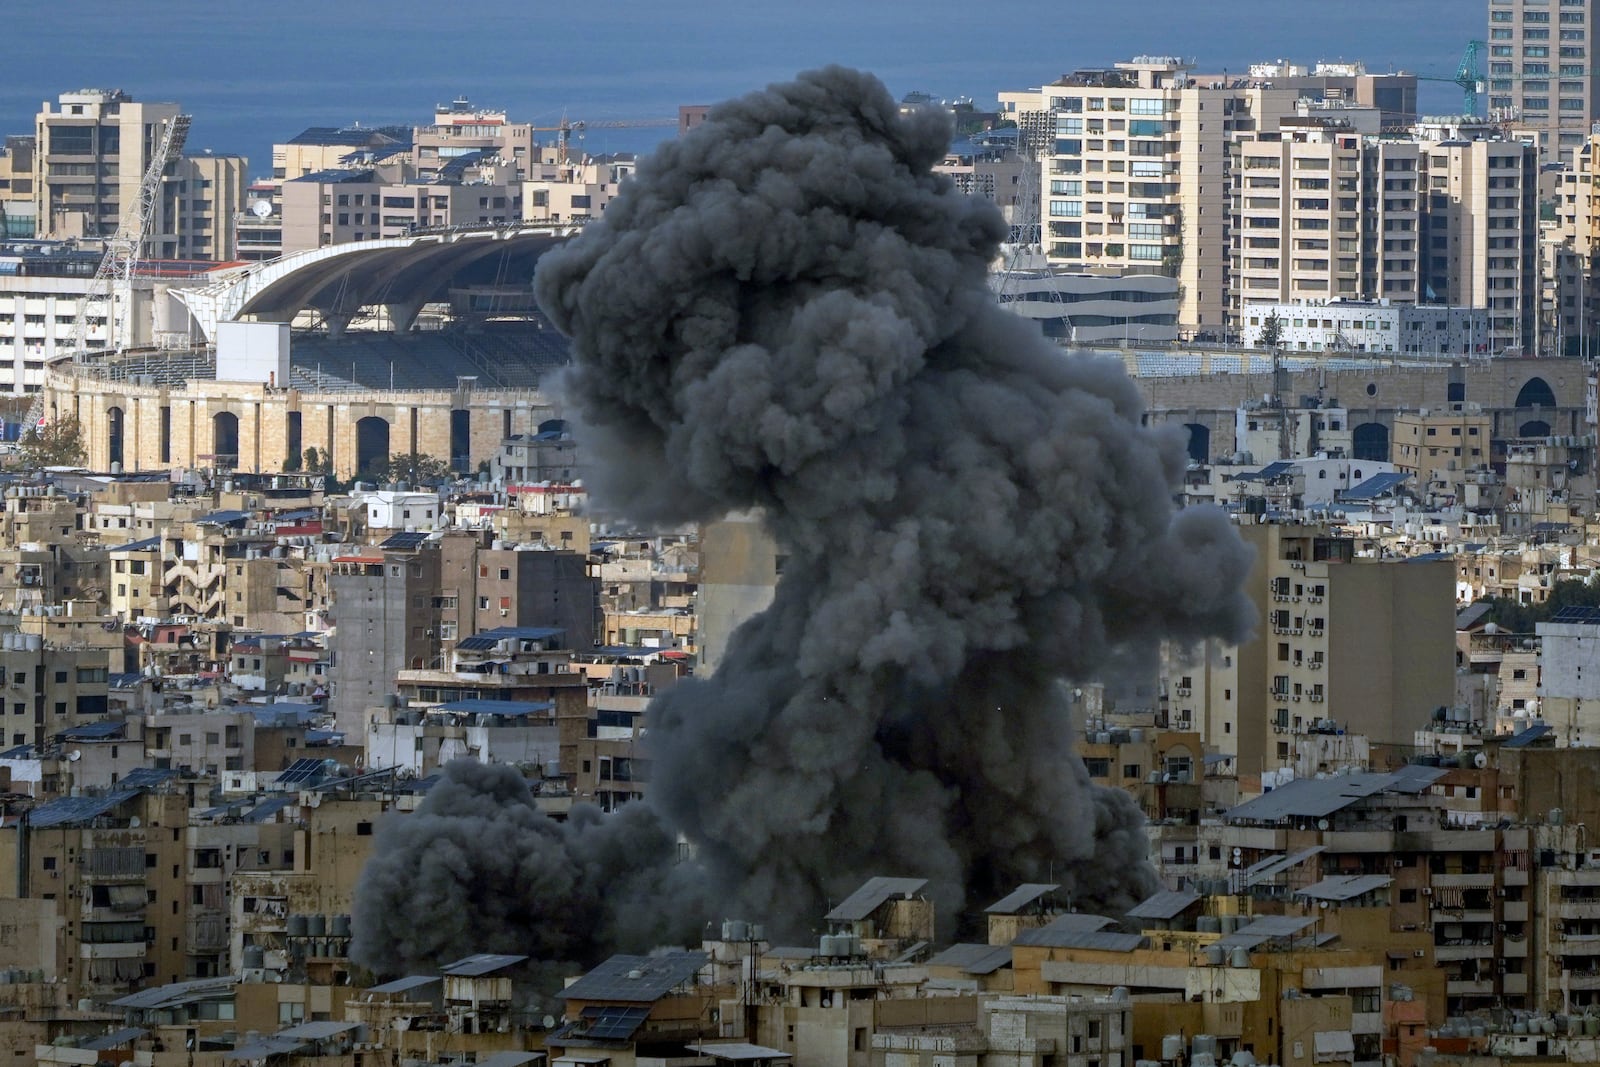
253, 80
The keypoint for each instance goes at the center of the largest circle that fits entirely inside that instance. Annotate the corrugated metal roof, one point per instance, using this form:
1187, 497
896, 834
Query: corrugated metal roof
264, 1048
1317, 797
145, 777
873, 895
1266, 928
1344, 886
178, 993
1020, 898
738, 1051
115, 1039
1272, 866
406, 985
318, 1029
1374, 487
1166, 905
636, 979
94, 731
1528, 736
70, 810
974, 959
481, 964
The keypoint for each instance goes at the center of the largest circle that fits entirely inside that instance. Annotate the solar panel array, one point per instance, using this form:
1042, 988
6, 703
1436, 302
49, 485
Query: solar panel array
302, 770
404, 541
1577, 613
613, 1024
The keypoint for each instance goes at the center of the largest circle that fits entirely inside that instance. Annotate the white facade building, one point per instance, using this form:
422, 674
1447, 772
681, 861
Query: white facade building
1369, 326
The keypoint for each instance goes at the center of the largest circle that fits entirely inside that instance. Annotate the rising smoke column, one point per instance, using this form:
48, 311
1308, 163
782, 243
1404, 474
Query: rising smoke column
478, 868
787, 309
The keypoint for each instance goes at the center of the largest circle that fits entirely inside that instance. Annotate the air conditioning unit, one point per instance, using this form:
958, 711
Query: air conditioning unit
1427, 890
1500, 891
1419, 953
1399, 863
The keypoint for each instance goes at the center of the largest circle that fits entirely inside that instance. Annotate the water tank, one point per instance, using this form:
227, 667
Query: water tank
33, 642
339, 926
1136, 735
727, 929
825, 946
255, 957
296, 926
1479, 1030
1548, 1026
1244, 1058
1227, 924
317, 925
1519, 1027
1204, 1045
1556, 817
1240, 957
1203, 1059
1215, 954
1120, 994
757, 932
1207, 924
1591, 1025
1172, 1047
738, 930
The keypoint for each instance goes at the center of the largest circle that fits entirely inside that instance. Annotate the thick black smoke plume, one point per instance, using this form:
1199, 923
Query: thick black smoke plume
786, 309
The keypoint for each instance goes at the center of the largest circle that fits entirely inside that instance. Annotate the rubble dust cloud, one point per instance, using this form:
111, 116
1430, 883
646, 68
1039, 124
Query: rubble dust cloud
787, 310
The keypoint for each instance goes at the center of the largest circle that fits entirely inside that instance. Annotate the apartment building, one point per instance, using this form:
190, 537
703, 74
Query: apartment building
460, 129
1323, 213
93, 149
392, 200
1541, 69
1137, 172
1438, 445
1366, 641
16, 187
1342, 324
572, 190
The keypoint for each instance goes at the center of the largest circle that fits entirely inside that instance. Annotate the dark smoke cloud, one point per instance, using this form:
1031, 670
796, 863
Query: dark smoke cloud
478, 868
786, 309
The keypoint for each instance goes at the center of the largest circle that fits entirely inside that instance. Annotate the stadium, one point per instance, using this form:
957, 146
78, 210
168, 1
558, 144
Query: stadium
429, 344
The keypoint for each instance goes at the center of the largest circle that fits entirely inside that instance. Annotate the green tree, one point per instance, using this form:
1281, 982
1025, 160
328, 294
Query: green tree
418, 468
58, 443
1271, 331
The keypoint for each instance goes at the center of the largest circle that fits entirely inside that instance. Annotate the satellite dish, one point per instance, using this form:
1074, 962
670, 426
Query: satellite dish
74, 756
261, 208
133, 822
1322, 824
549, 1022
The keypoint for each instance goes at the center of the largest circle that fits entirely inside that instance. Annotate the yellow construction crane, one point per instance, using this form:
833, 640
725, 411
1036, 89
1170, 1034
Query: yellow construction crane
566, 129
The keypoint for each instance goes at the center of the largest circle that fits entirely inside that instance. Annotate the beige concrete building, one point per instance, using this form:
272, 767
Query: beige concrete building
16, 187
1136, 172
257, 427
1437, 446
334, 206
1321, 212
1541, 70
93, 148
1366, 642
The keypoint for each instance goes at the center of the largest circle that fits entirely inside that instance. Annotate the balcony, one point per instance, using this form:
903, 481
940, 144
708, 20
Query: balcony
1465, 881
1463, 950
1578, 909
117, 950
1514, 985
1482, 987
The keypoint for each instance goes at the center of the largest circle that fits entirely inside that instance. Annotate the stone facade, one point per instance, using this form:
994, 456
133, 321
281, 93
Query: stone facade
166, 426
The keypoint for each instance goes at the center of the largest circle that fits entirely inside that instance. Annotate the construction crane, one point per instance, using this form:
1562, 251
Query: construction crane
566, 129
113, 279
1469, 75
